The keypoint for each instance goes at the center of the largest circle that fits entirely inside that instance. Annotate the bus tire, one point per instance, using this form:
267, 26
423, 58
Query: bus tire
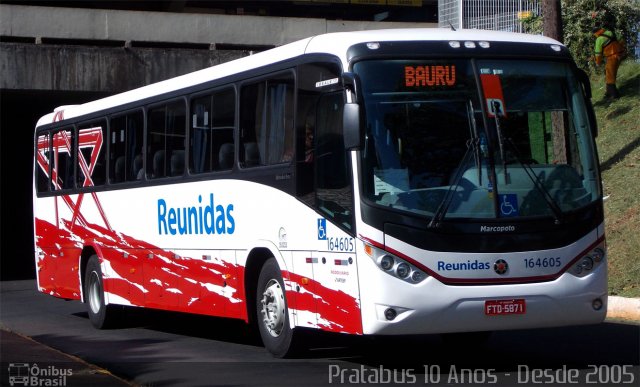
102, 316
272, 314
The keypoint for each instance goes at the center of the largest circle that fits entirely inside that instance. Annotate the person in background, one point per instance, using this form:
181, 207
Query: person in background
609, 47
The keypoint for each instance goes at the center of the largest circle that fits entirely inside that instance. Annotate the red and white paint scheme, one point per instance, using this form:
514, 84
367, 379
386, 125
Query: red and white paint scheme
438, 198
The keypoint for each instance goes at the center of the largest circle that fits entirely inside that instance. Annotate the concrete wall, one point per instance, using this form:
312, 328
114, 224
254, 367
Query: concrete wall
97, 24
75, 49
98, 69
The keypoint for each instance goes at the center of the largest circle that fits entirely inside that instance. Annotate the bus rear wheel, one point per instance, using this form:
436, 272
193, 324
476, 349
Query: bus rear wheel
272, 313
102, 316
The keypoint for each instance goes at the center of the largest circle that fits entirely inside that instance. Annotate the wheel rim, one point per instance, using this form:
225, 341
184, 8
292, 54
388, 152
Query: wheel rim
273, 308
95, 294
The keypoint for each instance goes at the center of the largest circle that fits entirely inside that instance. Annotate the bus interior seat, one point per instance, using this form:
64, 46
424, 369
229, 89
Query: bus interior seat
225, 156
251, 154
158, 164
119, 169
177, 162
138, 171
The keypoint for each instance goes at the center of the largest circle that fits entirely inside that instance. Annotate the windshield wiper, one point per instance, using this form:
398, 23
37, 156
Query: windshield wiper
497, 111
473, 146
448, 197
477, 145
557, 212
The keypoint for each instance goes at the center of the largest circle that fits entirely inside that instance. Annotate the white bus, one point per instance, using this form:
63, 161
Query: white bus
389, 182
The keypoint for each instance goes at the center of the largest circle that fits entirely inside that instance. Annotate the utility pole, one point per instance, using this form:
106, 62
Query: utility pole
552, 19
552, 27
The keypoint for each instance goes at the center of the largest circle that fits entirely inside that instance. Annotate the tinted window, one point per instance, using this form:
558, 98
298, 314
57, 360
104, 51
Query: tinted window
91, 145
212, 126
166, 140
63, 158
43, 161
125, 150
266, 126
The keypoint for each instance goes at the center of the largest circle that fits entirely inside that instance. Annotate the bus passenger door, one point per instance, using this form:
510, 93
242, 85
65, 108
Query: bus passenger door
323, 182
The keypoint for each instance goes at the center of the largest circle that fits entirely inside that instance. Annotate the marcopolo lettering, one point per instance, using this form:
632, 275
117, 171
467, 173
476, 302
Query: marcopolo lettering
469, 265
509, 228
199, 219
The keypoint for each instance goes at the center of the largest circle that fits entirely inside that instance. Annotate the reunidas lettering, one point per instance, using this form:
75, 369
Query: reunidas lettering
208, 219
509, 228
469, 265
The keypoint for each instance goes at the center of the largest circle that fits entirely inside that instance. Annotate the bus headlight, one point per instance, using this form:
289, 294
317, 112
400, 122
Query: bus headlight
598, 254
394, 266
589, 261
386, 262
417, 276
403, 270
578, 269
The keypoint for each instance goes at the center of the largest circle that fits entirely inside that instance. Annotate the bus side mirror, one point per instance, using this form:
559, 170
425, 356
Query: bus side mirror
351, 113
351, 82
351, 126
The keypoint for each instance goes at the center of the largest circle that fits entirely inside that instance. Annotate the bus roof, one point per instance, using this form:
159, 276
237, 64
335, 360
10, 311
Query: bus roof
336, 43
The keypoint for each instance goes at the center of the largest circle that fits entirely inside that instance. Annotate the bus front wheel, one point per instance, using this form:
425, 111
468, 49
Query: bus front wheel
102, 316
272, 313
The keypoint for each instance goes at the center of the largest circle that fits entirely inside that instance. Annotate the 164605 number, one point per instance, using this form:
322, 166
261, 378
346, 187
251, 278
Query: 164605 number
532, 263
340, 244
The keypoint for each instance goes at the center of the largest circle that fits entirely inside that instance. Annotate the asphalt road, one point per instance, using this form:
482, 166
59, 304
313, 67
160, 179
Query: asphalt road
166, 349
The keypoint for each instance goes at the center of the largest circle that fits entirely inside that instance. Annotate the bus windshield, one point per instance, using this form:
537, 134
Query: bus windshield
477, 139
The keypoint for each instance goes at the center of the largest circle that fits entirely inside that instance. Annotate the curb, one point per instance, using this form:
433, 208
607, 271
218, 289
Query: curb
623, 308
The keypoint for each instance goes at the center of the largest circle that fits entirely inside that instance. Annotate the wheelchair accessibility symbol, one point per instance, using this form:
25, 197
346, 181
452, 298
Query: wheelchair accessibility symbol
322, 229
509, 205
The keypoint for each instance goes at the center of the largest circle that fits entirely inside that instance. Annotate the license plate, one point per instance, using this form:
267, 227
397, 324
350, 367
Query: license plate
505, 307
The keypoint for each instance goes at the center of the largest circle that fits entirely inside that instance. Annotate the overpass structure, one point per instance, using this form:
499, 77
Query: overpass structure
102, 50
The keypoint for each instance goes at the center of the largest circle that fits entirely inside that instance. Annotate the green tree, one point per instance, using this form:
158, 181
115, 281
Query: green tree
579, 17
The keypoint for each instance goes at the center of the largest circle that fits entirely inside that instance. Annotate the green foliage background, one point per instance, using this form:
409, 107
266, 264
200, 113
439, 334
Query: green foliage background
579, 17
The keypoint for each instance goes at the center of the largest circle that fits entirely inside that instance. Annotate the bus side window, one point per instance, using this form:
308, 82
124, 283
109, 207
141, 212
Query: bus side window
92, 145
212, 127
176, 129
63, 159
334, 196
166, 127
125, 138
322, 167
43, 161
266, 125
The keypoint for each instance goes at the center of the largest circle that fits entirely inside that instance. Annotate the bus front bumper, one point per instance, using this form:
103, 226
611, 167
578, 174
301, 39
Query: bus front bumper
434, 307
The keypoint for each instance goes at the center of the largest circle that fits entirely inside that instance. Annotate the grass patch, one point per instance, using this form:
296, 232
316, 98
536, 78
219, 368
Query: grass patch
619, 151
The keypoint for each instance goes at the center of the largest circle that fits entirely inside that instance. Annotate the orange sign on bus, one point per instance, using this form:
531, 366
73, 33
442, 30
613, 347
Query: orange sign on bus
415, 76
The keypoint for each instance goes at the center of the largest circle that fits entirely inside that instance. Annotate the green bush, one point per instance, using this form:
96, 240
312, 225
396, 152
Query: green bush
579, 17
